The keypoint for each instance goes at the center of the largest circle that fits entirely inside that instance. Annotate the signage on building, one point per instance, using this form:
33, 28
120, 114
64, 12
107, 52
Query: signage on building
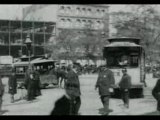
6, 59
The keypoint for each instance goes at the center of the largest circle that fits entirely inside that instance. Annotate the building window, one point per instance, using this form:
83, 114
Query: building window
102, 12
78, 11
101, 25
89, 11
68, 23
90, 23
98, 24
68, 10
98, 12
78, 23
84, 11
62, 22
83, 23
62, 9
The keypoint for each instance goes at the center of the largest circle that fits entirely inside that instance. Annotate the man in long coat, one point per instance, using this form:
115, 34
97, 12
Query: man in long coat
125, 85
1, 93
105, 83
12, 83
156, 94
30, 84
73, 86
36, 76
69, 104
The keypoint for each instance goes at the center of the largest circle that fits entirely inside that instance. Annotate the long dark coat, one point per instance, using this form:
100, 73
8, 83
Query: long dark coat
1, 87
63, 106
156, 90
105, 81
37, 83
12, 83
30, 85
125, 82
73, 83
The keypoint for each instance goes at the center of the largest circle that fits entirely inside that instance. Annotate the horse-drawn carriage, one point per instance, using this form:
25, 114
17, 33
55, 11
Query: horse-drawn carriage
45, 67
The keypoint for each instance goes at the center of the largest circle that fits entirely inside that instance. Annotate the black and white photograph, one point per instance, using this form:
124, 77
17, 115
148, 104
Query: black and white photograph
80, 59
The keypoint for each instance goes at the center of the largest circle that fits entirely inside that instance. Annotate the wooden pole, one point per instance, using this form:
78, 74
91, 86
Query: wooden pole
9, 38
33, 38
44, 37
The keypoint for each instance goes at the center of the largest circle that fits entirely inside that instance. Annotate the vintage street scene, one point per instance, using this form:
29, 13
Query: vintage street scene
81, 59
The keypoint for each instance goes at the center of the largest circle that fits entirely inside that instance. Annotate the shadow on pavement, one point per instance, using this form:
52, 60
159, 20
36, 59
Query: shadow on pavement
3, 111
153, 113
103, 112
20, 103
50, 87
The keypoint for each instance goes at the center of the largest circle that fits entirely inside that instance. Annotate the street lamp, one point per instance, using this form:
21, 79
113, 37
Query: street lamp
28, 43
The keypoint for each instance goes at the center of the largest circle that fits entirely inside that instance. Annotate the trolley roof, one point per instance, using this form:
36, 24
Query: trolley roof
35, 61
122, 44
125, 39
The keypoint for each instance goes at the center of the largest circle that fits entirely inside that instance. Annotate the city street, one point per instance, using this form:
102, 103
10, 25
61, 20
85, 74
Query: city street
90, 101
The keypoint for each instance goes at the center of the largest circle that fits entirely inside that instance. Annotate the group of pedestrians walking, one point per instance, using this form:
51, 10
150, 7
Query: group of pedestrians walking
106, 83
70, 103
32, 84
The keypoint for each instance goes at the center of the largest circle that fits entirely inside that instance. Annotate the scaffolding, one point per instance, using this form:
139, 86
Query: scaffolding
13, 34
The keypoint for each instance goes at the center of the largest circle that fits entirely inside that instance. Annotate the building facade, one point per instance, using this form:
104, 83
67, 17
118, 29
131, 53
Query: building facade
70, 16
74, 17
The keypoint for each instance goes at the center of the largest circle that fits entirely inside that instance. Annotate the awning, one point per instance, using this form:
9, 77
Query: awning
122, 44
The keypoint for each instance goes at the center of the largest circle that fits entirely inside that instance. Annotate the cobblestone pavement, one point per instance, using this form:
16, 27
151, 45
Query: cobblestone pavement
90, 101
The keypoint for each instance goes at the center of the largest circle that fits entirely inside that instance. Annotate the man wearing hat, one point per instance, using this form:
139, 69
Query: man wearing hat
73, 86
156, 94
12, 83
125, 85
30, 84
105, 83
1, 93
69, 104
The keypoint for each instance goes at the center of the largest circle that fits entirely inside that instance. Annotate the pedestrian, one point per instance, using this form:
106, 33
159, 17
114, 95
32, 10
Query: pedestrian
61, 76
105, 84
74, 86
30, 84
125, 85
69, 104
1, 93
36, 77
23, 90
58, 74
12, 83
156, 94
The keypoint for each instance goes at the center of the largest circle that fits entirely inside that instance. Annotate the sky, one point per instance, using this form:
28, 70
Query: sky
15, 11
11, 11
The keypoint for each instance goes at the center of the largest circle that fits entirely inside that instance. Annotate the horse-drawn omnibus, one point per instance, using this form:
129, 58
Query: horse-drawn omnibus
45, 67
126, 52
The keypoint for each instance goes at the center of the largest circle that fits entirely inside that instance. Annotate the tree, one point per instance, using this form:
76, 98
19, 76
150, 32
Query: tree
143, 22
91, 42
66, 44
86, 42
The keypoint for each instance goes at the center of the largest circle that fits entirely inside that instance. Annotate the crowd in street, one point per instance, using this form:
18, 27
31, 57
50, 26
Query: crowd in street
31, 84
70, 102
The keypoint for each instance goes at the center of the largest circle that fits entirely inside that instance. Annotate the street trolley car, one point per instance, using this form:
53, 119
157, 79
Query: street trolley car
45, 67
126, 52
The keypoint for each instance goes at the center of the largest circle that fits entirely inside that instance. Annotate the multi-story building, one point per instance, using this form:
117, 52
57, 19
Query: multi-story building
75, 17
13, 35
70, 16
